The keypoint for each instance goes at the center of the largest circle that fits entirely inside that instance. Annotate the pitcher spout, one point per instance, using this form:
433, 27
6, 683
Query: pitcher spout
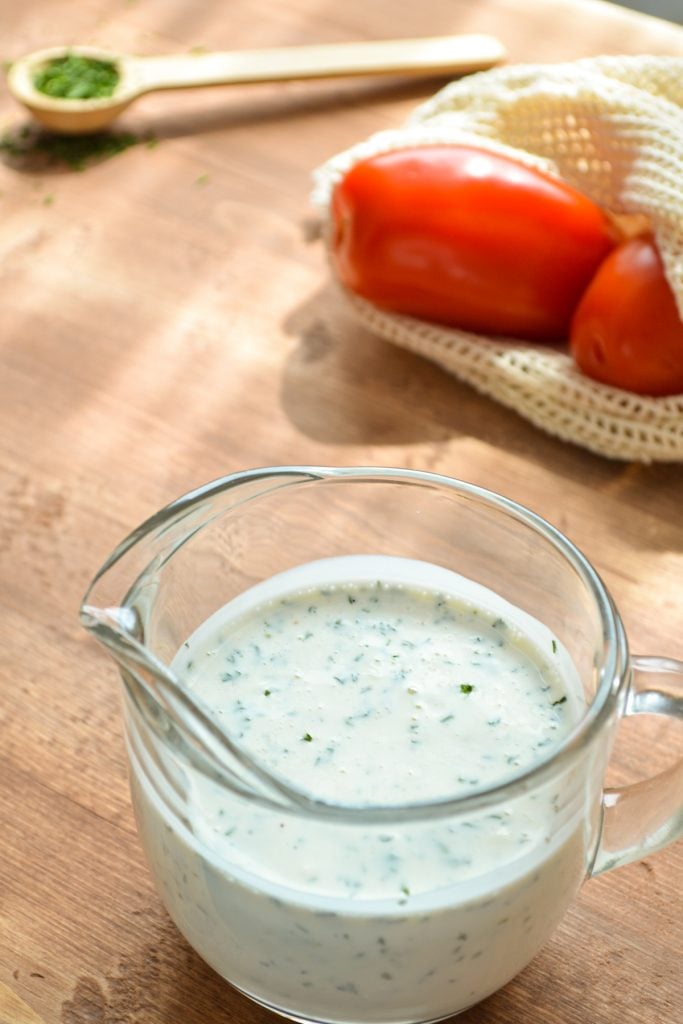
158, 587
118, 629
169, 711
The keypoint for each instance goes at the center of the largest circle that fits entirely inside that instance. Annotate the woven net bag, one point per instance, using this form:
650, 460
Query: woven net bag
612, 127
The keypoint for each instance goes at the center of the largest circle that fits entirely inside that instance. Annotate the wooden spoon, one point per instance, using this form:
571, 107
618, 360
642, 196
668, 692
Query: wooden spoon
137, 75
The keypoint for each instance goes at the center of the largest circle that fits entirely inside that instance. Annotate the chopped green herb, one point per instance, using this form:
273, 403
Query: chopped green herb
307, 737
33, 148
75, 77
466, 687
554, 642
562, 700
266, 693
203, 179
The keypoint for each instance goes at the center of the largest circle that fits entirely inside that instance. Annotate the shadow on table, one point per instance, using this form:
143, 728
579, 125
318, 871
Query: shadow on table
246, 105
344, 386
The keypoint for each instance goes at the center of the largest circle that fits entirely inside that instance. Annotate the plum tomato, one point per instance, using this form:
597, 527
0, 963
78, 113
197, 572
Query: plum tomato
626, 330
467, 237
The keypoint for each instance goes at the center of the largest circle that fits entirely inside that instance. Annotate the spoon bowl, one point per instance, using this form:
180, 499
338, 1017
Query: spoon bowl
459, 54
73, 116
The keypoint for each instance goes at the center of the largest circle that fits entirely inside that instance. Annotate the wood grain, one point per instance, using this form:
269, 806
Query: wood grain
165, 320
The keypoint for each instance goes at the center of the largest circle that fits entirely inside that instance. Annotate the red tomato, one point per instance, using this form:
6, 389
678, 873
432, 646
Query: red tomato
465, 237
626, 330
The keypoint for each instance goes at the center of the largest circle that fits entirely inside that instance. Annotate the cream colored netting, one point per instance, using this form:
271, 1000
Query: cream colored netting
613, 128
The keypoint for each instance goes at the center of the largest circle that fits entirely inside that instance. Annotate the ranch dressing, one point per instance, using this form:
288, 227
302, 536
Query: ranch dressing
373, 681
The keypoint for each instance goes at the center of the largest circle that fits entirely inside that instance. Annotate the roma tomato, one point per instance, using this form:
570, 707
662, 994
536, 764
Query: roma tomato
466, 237
626, 330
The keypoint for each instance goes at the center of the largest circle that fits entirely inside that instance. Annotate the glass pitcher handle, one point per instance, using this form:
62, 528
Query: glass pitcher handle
646, 816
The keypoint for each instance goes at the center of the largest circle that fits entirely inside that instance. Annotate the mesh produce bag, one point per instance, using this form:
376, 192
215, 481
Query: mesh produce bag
612, 127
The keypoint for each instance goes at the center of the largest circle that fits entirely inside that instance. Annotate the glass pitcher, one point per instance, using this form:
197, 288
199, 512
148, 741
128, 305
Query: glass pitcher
302, 940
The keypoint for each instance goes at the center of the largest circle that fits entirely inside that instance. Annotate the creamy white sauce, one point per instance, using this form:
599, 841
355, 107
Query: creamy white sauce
368, 681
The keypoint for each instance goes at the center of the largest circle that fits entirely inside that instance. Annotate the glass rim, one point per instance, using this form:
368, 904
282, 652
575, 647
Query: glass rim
611, 669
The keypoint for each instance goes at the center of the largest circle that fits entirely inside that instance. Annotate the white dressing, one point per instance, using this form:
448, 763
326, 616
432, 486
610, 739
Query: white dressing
368, 681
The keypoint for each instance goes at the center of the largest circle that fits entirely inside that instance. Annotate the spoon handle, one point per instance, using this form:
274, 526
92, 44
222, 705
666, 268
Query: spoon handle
438, 55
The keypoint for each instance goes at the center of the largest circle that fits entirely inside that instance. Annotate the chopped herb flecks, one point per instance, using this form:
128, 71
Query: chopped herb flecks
368, 674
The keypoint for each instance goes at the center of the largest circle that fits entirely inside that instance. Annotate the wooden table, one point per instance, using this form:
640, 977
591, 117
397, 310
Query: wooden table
166, 321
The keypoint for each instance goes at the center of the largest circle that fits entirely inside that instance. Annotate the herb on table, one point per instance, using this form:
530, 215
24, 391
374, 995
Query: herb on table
31, 148
75, 77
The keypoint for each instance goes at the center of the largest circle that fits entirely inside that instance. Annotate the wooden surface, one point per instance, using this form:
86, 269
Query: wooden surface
166, 320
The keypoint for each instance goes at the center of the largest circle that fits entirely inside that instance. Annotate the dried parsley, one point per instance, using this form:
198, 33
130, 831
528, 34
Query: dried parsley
31, 148
74, 77
466, 687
